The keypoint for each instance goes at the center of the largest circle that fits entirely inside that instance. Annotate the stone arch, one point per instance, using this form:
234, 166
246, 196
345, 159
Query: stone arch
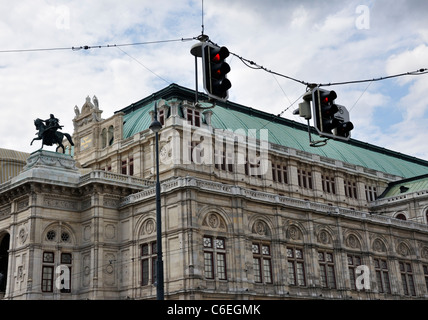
148, 227
403, 248
424, 252
401, 215
260, 226
380, 245
295, 231
214, 218
145, 225
353, 240
59, 232
324, 235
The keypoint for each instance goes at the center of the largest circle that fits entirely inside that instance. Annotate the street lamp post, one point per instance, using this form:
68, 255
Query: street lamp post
155, 126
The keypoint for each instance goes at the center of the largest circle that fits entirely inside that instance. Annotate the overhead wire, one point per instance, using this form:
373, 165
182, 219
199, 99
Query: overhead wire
141, 64
309, 85
86, 47
253, 65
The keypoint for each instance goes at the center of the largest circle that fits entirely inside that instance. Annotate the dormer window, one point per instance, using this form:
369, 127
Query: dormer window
193, 117
162, 117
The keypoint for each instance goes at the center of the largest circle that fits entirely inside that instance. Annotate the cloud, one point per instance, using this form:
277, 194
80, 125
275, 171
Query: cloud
314, 41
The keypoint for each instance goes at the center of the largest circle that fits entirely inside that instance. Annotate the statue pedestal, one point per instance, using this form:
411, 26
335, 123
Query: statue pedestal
50, 166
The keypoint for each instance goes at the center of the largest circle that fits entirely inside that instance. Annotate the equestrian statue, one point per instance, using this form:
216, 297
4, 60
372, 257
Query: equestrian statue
49, 134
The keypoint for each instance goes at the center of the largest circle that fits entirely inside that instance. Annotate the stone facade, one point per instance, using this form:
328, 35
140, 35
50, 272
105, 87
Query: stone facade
306, 227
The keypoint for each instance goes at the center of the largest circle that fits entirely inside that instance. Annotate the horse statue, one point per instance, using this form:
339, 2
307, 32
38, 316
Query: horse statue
48, 133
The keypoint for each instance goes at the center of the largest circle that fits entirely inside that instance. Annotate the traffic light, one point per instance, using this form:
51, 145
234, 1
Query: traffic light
330, 120
215, 70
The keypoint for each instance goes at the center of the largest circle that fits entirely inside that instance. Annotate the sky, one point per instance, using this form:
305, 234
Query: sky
314, 41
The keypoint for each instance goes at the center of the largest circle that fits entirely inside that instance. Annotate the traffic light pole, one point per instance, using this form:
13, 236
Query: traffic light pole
196, 79
196, 51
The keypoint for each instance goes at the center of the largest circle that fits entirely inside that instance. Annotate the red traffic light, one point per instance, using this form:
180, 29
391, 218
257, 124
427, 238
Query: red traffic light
219, 56
215, 69
328, 97
330, 119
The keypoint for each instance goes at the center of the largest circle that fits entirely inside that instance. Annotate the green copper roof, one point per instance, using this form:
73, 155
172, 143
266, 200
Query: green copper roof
282, 131
406, 186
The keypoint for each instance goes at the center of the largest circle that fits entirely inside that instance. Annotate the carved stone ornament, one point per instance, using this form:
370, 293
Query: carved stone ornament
22, 234
150, 226
379, 246
294, 233
402, 249
424, 252
213, 221
260, 228
324, 237
353, 242
110, 231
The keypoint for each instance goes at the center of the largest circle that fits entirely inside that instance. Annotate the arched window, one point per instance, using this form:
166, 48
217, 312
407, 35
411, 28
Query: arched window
110, 135
104, 138
401, 216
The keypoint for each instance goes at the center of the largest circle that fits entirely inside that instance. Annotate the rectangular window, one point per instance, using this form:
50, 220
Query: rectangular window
279, 173
48, 268
124, 167
47, 278
371, 193
262, 263
328, 278
353, 263
194, 117
196, 152
350, 189
197, 118
66, 259
148, 263
221, 266
328, 184
131, 166
407, 279
425, 267
215, 258
382, 276
219, 159
48, 257
223, 160
296, 267
304, 178
162, 117
253, 166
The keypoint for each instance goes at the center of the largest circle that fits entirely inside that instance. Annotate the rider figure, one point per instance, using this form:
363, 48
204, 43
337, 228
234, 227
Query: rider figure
52, 123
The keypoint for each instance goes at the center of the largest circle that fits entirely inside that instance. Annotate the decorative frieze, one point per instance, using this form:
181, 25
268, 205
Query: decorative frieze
59, 203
